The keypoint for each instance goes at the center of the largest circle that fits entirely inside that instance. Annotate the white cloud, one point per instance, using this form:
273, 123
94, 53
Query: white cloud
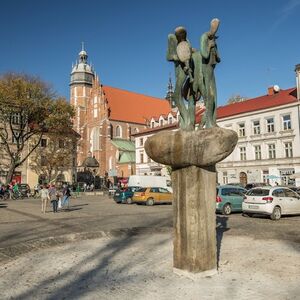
285, 12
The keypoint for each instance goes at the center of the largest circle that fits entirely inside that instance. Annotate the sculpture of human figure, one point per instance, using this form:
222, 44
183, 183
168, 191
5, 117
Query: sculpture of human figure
182, 72
210, 57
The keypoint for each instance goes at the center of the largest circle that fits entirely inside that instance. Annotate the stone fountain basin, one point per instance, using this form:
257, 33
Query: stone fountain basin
201, 148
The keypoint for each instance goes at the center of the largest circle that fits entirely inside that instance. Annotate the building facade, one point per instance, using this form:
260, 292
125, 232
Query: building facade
268, 148
106, 118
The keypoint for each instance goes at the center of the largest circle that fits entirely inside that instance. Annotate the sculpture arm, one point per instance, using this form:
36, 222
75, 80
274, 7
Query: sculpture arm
218, 59
204, 50
172, 45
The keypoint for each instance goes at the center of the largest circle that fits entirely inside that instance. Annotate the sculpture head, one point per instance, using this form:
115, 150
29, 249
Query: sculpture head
180, 33
214, 25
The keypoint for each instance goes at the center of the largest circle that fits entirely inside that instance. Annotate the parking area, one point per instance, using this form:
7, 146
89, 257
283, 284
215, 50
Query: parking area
21, 221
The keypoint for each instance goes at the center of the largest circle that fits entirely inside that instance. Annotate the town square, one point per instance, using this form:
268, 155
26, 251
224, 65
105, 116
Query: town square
149, 150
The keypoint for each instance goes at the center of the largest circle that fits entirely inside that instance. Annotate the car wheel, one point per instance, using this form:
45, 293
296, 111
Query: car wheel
226, 209
129, 200
150, 202
276, 214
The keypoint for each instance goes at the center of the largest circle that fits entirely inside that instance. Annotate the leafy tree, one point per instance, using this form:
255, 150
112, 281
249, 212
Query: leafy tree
28, 110
55, 156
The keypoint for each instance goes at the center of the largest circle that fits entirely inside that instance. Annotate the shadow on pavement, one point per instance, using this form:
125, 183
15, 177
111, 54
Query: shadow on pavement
76, 287
221, 223
3, 205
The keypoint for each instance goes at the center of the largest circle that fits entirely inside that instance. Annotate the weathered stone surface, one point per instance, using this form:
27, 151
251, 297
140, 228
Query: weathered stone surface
194, 204
200, 148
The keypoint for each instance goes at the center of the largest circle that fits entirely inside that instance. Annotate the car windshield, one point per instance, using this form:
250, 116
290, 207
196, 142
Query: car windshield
258, 192
141, 190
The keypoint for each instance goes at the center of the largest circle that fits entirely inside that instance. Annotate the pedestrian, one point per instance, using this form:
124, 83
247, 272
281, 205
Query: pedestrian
53, 197
66, 197
16, 190
84, 187
45, 197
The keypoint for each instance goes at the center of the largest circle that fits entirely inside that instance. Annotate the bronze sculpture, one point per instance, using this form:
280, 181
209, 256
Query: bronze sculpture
194, 71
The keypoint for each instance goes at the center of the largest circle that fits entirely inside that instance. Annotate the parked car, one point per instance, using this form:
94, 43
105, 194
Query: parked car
295, 189
125, 195
229, 198
152, 195
272, 201
24, 189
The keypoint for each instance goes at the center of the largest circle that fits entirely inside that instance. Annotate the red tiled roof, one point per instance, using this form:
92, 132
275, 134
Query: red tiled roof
132, 107
258, 103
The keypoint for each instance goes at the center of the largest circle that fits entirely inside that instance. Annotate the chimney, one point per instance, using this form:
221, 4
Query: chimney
297, 70
270, 91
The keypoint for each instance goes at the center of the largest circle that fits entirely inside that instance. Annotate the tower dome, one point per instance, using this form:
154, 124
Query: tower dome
82, 72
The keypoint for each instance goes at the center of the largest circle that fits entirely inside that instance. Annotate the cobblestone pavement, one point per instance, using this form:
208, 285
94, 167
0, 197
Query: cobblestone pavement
24, 228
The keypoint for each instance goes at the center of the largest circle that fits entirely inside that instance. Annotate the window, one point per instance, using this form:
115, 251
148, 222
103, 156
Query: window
285, 176
118, 131
266, 177
257, 150
154, 190
161, 122
288, 148
270, 125
43, 161
225, 177
286, 122
290, 194
170, 120
61, 144
141, 141
95, 107
241, 130
111, 131
162, 190
256, 127
15, 118
141, 157
43, 143
243, 153
152, 124
272, 151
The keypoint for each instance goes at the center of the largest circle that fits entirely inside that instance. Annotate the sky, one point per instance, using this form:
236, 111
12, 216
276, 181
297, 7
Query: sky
126, 41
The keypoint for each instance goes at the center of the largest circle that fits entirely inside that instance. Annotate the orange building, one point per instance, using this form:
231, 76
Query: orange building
106, 118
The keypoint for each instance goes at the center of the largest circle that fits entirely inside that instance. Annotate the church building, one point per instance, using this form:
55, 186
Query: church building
106, 118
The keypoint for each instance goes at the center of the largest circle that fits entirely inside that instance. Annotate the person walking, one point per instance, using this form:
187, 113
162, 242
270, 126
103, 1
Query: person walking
53, 197
66, 197
45, 197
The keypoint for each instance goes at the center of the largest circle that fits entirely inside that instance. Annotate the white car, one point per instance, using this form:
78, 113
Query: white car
272, 201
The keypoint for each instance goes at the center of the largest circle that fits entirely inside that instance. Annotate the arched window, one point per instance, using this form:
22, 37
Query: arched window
136, 130
94, 139
111, 128
118, 131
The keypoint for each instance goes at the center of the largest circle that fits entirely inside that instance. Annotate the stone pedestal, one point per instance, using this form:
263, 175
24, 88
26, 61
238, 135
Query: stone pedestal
193, 156
194, 205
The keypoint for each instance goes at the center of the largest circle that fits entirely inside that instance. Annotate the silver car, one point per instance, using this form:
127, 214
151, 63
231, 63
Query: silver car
272, 201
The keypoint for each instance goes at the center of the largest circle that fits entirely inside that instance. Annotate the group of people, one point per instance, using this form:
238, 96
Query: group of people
59, 198
10, 189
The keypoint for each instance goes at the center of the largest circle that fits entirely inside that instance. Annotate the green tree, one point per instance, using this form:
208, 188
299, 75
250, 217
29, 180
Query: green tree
56, 156
28, 110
